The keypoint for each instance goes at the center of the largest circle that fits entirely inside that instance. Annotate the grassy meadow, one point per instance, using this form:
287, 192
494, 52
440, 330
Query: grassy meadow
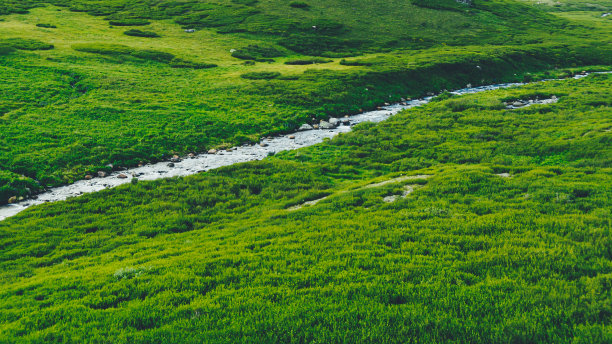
505, 238
462, 221
78, 93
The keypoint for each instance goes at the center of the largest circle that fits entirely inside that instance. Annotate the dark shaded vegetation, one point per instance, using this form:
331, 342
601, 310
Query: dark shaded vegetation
139, 33
314, 60
469, 256
260, 75
48, 26
25, 44
299, 4
258, 53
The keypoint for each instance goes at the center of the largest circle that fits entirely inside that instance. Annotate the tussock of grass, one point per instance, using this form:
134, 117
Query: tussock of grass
139, 33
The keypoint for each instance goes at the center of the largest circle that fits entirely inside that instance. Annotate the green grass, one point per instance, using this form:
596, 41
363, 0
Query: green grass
469, 256
100, 96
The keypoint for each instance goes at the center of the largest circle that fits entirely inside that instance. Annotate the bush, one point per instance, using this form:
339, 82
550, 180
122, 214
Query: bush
119, 50
449, 5
25, 44
180, 63
299, 4
49, 26
257, 53
139, 33
129, 22
5, 50
355, 63
261, 75
308, 61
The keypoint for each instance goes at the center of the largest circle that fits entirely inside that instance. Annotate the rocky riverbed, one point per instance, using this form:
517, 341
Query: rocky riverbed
307, 135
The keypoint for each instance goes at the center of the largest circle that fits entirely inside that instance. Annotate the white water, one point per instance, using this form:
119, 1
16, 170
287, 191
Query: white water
205, 162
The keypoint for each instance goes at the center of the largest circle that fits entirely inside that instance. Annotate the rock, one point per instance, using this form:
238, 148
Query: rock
346, 122
122, 176
191, 156
110, 166
334, 121
326, 125
346, 116
517, 104
387, 104
88, 177
190, 30
212, 151
12, 200
175, 158
315, 126
263, 144
228, 150
305, 127
140, 165
292, 137
171, 164
102, 174
553, 97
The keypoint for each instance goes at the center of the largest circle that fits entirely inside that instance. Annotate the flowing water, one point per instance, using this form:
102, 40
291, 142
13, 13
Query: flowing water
205, 162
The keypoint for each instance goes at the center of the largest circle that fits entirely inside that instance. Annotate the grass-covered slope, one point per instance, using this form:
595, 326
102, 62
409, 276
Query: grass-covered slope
79, 94
505, 237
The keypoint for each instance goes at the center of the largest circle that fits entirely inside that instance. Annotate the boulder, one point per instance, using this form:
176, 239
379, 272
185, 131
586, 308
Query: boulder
122, 176
191, 156
88, 177
212, 151
292, 137
175, 158
334, 121
263, 144
346, 121
326, 125
315, 126
171, 164
102, 174
305, 127
517, 104
12, 200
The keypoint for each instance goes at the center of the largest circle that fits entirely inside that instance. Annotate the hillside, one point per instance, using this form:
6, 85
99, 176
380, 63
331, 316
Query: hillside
502, 234
79, 93
477, 218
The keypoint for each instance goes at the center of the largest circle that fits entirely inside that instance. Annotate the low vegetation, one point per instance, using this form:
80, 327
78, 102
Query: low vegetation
506, 239
139, 33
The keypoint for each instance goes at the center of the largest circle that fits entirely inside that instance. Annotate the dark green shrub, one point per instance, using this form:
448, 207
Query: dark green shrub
245, 2
118, 50
261, 75
129, 22
26, 44
316, 45
139, 33
314, 60
257, 52
180, 63
5, 50
299, 4
355, 63
449, 5
49, 26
